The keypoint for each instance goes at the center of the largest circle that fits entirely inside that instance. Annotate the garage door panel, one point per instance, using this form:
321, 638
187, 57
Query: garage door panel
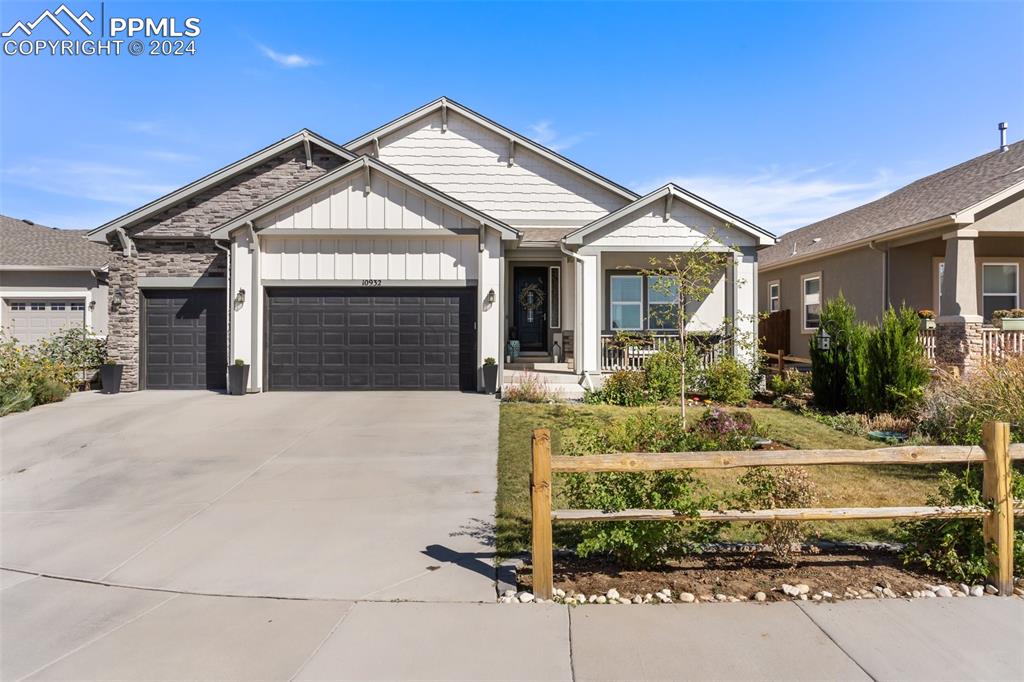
185, 334
407, 339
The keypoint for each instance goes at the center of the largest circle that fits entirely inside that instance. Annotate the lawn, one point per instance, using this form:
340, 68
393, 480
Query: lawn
838, 486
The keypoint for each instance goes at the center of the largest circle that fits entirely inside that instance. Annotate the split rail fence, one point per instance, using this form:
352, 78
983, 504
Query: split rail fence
995, 454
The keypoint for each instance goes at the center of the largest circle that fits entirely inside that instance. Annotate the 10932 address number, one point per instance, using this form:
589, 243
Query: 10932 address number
373, 283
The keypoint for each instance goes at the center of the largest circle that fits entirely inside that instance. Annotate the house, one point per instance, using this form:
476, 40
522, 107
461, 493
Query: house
50, 279
952, 242
403, 258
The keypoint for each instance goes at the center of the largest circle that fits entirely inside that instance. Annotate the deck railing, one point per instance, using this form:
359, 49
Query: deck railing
622, 352
927, 337
997, 344
995, 454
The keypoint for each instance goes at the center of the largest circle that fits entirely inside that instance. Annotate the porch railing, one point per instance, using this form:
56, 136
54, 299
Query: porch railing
618, 353
997, 344
927, 337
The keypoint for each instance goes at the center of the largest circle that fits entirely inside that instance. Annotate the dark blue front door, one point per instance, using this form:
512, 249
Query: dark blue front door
530, 307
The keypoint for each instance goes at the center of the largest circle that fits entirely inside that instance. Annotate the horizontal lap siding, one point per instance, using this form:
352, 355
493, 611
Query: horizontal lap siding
446, 259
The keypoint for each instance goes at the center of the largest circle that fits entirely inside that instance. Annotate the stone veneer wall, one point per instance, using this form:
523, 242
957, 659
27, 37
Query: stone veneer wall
175, 242
958, 346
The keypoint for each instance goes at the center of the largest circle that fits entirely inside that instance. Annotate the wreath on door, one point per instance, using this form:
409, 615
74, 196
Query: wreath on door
531, 297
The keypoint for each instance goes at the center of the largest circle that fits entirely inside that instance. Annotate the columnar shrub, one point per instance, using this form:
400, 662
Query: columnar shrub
897, 371
839, 374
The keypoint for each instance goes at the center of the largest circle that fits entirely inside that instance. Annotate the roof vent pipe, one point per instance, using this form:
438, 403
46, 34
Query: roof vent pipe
1002, 137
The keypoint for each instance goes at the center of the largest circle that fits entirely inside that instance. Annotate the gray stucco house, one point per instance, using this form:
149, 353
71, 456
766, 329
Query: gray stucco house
952, 242
403, 258
50, 279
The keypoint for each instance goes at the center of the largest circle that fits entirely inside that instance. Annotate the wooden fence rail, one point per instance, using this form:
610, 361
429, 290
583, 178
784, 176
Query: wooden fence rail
995, 454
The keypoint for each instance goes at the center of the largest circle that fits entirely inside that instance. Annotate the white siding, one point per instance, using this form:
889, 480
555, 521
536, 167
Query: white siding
344, 205
470, 163
687, 227
436, 258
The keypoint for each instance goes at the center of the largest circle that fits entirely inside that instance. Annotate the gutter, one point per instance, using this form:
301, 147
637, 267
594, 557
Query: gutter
885, 272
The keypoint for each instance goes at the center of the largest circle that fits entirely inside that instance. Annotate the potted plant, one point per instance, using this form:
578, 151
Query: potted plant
238, 377
490, 375
1009, 320
927, 318
110, 376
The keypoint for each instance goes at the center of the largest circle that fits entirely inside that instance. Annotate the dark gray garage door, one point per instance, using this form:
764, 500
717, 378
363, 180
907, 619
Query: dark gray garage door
351, 339
184, 339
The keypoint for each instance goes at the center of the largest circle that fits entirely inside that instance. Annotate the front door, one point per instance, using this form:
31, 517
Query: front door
530, 308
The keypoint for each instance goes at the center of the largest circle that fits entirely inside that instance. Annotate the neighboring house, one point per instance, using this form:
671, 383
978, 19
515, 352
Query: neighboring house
50, 279
952, 242
402, 259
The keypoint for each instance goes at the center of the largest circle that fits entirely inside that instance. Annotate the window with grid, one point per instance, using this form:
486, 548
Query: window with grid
774, 297
999, 287
627, 301
812, 301
662, 303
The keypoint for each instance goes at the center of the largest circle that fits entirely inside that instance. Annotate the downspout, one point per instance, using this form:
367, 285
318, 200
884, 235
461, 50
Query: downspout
579, 333
885, 273
227, 250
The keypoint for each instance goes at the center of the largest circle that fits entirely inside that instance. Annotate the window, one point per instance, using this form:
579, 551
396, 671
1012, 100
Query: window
20, 305
811, 285
627, 299
38, 305
77, 305
58, 306
555, 297
999, 287
662, 303
774, 297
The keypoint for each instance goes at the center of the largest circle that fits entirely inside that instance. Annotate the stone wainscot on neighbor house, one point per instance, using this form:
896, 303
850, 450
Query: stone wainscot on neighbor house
952, 242
50, 279
402, 260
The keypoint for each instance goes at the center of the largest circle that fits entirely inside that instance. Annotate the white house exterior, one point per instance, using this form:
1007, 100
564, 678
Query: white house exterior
405, 258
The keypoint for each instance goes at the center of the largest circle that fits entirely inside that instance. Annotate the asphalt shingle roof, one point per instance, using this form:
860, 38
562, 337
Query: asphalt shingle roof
25, 245
941, 194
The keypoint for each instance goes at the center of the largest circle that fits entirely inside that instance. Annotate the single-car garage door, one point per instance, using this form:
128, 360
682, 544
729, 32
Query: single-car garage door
32, 320
184, 338
349, 339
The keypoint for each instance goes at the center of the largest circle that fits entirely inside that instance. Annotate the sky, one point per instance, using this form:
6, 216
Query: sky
782, 113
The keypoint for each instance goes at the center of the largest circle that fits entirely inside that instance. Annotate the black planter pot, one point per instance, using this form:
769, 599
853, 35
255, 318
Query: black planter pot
110, 378
490, 378
238, 379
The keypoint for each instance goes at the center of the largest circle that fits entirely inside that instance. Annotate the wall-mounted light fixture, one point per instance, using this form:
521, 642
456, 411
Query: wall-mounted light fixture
116, 299
240, 297
92, 305
489, 299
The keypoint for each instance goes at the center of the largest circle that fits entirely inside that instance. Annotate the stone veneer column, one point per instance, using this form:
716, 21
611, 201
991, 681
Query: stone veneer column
123, 318
958, 340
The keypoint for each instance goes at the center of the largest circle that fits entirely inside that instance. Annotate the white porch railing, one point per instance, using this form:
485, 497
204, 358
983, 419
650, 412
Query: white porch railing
927, 337
997, 344
628, 353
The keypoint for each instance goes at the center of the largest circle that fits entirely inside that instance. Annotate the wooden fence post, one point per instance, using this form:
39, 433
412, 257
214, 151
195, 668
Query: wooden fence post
540, 498
998, 525
782, 362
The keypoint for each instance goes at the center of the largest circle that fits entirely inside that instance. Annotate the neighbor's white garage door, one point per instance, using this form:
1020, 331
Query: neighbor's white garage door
31, 320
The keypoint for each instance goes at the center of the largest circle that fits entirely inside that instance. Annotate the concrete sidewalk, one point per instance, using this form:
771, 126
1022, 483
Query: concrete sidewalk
66, 630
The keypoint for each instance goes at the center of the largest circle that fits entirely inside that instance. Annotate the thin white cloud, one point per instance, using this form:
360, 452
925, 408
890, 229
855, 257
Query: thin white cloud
169, 156
87, 180
289, 61
781, 200
545, 133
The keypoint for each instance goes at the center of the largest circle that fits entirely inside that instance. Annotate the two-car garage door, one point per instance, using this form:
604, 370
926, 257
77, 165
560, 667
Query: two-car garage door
370, 339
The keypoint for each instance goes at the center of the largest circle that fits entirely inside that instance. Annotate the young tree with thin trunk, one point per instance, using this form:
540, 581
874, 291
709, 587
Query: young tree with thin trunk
685, 278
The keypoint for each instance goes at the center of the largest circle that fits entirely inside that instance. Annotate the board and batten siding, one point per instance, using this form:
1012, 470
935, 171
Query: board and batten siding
345, 205
471, 163
308, 258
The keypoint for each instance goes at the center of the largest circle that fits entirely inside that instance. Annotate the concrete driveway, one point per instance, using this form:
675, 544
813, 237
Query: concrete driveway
347, 496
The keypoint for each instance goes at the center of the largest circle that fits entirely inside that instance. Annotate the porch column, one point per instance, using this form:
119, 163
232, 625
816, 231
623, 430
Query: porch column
489, 282
744, 312
590, 320
243, 264
958, 328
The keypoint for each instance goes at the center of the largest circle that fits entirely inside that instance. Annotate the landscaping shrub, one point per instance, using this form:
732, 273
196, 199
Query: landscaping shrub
790, 383
727, 381
839, 374
955, 548
778, 488
626, 387
954, 409
30, 376
896, 371
662, 374
721, 430
530, 389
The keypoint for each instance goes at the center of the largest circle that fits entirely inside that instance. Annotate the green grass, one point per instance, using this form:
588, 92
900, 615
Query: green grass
838, 486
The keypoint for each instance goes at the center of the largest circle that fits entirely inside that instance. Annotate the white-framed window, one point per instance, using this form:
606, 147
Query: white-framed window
58, 305
1000, 288
37, 306
627, 301
555, 297
19, 305
774, 297
662, 303
77, 305
810, 289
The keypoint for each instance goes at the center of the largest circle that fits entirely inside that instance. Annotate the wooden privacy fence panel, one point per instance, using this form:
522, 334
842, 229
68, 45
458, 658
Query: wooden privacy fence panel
773, 332
995, 453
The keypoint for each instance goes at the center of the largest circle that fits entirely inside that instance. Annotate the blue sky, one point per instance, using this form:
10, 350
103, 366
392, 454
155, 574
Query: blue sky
783, 113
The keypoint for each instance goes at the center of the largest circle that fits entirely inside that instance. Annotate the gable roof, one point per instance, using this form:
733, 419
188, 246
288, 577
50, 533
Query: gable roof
27, 246
954, 194
360, 163
763, 236
447, 104
218, 176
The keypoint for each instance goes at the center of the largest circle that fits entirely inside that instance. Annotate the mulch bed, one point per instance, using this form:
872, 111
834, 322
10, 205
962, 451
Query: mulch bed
742, 574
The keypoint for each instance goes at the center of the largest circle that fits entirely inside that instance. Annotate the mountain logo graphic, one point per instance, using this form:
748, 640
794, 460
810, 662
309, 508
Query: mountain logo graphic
78, 20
